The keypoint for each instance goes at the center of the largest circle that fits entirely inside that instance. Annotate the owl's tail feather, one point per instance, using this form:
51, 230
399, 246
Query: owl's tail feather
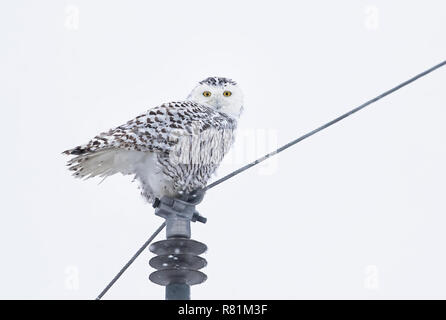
77, 151
104, 163
92, 164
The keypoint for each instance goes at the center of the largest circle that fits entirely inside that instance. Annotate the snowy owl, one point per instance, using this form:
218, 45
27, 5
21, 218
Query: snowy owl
172, 149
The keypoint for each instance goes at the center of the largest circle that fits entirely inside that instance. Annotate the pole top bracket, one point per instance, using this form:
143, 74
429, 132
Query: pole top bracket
180, 208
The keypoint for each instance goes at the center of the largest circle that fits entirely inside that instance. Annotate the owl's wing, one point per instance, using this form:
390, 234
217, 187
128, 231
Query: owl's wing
158, 130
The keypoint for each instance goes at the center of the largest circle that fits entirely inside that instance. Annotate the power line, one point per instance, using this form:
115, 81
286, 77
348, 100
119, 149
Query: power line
140, 250
328, 124
284, 147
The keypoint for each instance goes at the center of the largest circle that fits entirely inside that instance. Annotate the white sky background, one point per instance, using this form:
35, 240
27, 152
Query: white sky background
357, 211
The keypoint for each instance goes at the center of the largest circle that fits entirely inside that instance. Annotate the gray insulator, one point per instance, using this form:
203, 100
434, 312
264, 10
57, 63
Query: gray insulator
177, 261
171, 276
178, 246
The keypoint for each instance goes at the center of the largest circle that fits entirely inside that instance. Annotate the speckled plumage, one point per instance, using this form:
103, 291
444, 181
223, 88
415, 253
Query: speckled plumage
170, 149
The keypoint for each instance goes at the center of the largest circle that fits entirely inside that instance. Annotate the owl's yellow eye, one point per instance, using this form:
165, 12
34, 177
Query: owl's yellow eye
207, 93
227, 93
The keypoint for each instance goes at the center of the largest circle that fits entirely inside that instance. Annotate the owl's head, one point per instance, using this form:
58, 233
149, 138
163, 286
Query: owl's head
222, 94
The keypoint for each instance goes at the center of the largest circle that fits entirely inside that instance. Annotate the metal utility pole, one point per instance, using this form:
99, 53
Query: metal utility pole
178, 261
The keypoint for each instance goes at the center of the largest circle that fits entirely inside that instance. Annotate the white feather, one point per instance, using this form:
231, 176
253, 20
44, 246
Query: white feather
143, 165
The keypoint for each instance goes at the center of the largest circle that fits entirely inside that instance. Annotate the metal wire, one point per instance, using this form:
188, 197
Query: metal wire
284, 147
328, 124
140, 250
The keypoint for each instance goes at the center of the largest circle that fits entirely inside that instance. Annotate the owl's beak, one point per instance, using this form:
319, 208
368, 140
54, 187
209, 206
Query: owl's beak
218, 103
